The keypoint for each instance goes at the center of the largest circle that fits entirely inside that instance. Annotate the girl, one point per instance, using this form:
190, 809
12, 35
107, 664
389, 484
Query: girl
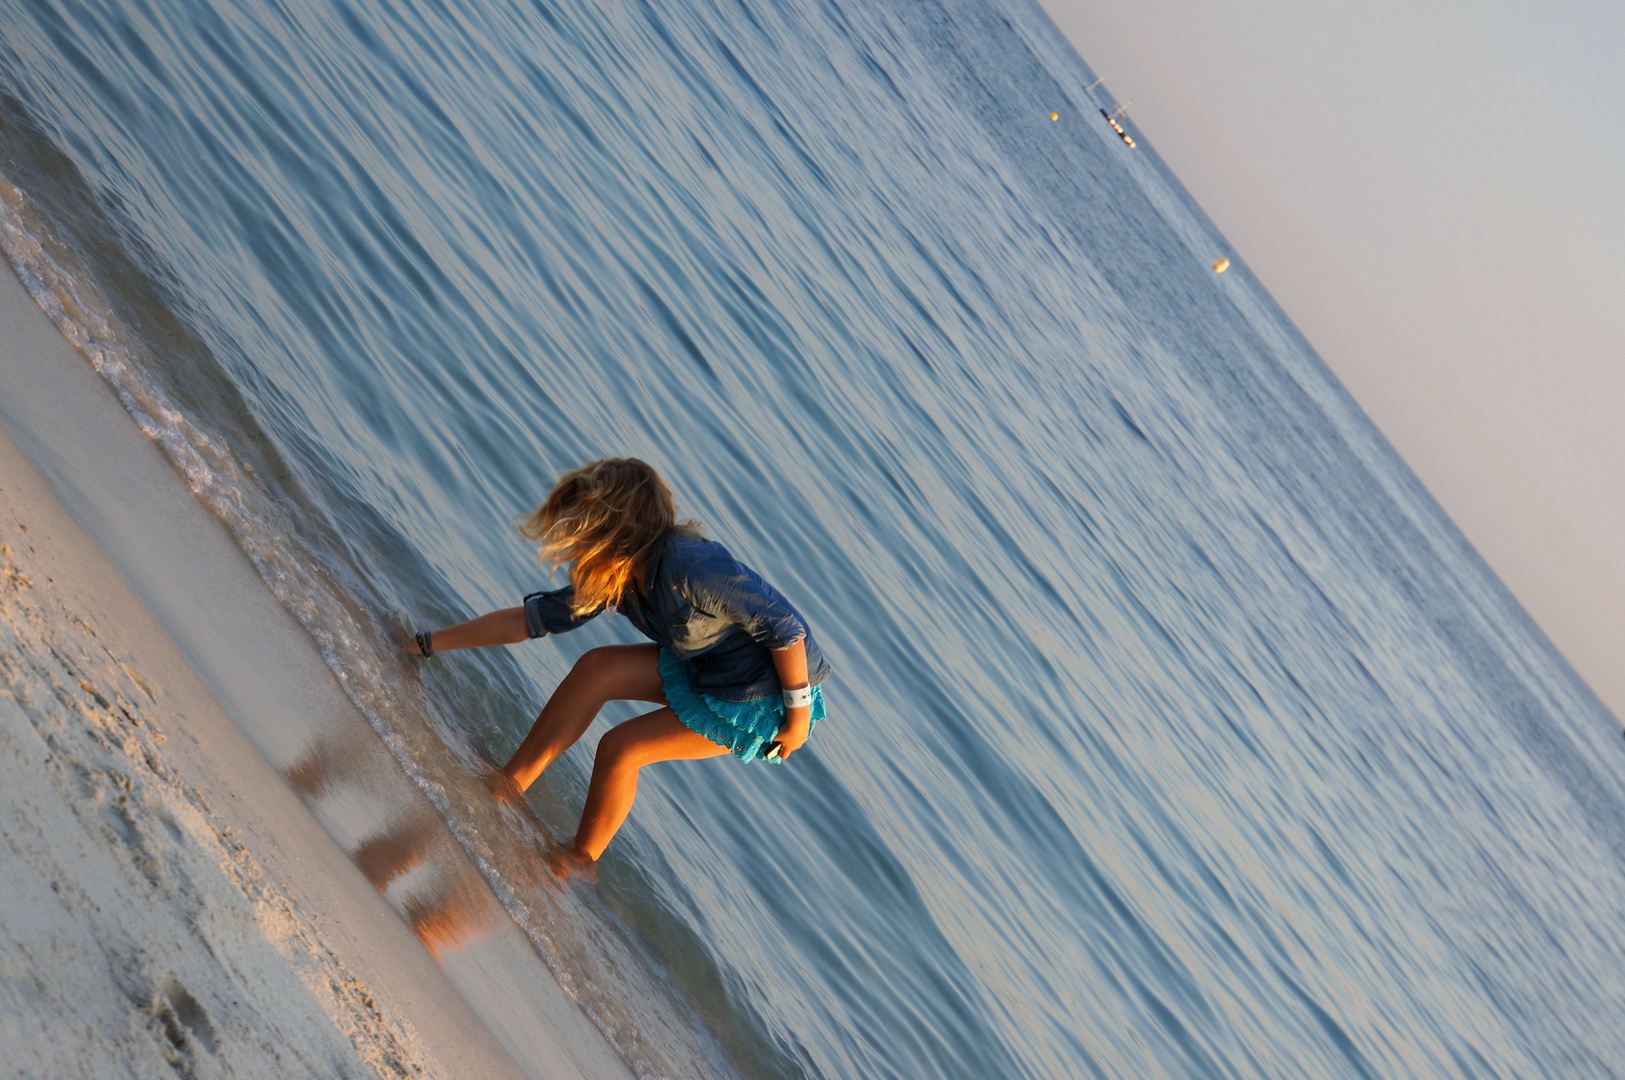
734, 667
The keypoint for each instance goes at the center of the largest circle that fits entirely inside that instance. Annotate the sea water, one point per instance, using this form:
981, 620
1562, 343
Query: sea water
1175, 731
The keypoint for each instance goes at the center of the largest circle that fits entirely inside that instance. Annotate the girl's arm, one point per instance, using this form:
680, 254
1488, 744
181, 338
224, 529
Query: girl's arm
542, 613
505, 627
791, 664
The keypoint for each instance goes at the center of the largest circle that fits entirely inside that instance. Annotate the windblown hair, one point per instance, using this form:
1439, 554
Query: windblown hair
601, 519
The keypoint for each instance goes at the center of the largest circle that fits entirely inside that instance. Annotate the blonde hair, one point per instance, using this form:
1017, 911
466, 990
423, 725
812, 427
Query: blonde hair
602, 519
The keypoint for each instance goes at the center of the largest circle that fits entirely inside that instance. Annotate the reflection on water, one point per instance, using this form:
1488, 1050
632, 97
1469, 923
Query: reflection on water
403, 848
385, 856
445, 902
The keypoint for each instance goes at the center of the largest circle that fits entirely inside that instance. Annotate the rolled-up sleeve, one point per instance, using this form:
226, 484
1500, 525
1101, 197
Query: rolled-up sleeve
550, 612
725, 587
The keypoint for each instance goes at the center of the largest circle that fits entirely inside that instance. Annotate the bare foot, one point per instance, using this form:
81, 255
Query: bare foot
567, 863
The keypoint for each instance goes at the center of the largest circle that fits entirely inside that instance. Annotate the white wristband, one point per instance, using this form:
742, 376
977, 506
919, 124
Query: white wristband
795, 699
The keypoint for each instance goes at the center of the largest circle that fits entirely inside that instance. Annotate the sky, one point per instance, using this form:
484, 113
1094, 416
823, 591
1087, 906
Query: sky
1434, 190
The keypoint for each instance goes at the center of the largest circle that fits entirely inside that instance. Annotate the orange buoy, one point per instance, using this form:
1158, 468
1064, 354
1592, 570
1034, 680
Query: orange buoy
1221, 264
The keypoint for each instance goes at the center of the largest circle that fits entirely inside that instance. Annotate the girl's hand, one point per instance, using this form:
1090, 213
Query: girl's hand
793, 732
405, 643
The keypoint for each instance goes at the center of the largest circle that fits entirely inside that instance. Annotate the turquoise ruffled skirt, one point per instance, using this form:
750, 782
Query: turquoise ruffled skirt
744, 727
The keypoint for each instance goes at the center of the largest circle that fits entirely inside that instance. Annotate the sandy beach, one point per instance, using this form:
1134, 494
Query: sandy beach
168, 902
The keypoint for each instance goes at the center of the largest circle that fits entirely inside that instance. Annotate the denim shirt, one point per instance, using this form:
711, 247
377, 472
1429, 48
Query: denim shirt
709, 609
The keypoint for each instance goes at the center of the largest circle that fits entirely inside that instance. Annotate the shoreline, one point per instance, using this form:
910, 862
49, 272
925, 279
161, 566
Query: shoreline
144, 653
161, 895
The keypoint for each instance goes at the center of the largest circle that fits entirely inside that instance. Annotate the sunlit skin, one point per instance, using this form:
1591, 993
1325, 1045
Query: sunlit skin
612, 673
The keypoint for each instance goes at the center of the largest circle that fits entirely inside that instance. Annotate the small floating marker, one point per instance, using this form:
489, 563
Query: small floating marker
1221, 264
1054, 116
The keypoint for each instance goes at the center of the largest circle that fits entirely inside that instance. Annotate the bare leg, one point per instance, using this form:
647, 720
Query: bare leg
610, 673
644, 740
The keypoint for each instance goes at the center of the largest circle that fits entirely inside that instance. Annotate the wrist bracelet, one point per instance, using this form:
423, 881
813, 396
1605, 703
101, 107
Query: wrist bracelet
800, 696
425, 643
